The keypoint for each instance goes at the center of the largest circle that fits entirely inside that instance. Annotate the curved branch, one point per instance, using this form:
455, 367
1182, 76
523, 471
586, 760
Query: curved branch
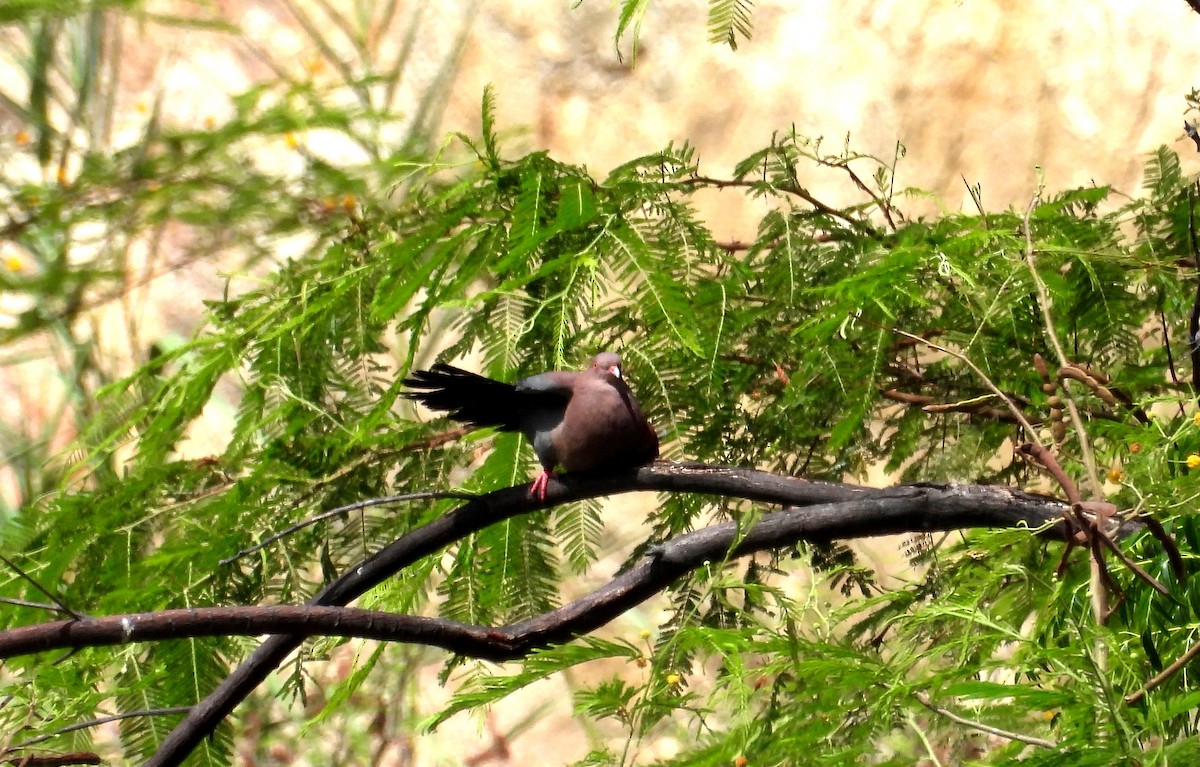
901, 510
836, 511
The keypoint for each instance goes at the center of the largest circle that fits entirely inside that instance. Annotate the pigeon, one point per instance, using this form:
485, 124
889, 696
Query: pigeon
577, 420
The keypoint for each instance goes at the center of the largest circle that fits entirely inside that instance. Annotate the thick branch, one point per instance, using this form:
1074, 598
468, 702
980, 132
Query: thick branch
838, 511
900, 510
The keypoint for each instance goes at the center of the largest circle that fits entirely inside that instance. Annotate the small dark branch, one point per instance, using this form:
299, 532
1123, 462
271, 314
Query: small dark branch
1044, 457
1194, 4
919, 400
1064, 559
291, 529
55, 760
1134, 567
744, 359
60, 605
439, 439
999, 415
1162, 320
883, 205
32, 605
792, 188
1089, 524
1165, 674
976, 194
902, 373
734, 246
910, 343
848, 511
1194, 323
1168, 543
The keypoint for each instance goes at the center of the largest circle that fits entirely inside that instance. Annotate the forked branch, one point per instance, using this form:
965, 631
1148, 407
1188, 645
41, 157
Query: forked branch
826, 511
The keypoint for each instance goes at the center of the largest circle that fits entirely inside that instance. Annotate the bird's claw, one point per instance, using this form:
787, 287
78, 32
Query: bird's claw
538, 489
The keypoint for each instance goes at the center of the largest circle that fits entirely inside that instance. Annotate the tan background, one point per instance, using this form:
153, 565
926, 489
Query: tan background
982, 90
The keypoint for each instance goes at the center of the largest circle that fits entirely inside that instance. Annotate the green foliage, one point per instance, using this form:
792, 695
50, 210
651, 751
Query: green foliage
780, 354
93, 215
727, 20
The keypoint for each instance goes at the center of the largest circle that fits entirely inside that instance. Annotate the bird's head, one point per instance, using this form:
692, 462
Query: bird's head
607, 362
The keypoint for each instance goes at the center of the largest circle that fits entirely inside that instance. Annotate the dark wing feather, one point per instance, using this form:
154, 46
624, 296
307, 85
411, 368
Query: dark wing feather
478, 401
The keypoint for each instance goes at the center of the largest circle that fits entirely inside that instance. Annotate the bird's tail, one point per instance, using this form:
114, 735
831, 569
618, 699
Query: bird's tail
466, 397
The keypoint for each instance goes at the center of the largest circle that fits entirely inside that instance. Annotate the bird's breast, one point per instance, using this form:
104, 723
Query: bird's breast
600, 428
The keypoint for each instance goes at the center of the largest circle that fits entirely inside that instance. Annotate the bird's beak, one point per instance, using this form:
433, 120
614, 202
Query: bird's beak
615, 370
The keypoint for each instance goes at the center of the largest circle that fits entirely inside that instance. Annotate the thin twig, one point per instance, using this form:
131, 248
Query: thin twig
1100, 577
1162, 319
976, 197
1085, 447
1164, 675
883, 205
338, 511
33, 605
62, 606
924, 700
791, 188
929, 750
99, 721
1020, 418
1194, 322
56, 760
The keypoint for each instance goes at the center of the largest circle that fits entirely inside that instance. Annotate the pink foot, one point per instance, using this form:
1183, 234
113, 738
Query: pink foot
538, 489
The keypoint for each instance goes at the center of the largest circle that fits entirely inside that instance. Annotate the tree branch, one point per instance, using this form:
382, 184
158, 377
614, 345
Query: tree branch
903, 509
924, 700
834, 510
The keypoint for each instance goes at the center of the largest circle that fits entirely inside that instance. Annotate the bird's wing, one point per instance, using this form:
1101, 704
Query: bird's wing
478, 401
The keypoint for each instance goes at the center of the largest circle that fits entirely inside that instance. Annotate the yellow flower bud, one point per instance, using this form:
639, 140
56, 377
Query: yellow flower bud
1193, 461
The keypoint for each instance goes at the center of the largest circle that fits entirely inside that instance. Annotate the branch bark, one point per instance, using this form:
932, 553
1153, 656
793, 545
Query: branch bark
828, 510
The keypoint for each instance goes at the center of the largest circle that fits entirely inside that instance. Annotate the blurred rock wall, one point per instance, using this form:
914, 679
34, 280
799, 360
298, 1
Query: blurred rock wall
981, 89
985, 90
